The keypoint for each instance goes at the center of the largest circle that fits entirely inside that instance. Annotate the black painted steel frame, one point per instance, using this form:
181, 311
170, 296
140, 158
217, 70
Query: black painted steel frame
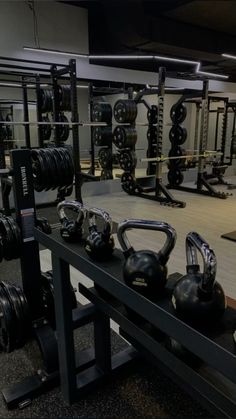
215, 355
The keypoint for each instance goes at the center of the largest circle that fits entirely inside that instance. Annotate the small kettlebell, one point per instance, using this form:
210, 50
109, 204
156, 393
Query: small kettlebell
99, 244
198, 297
71, 230
144, 270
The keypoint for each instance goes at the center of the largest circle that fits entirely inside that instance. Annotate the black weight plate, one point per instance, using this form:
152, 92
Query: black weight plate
57, 174
49, 168
18, 313
6, 235
67, 155
106, 174
105, 158
64, 130
178, 113
7, 323
102, 136
38, 170
125, 111
127, 160
16, 244
152, 135
177, 152
128, 183
124, 137
177, 135
46, 129
59, 159
65, 97
25, 310
102, 112
175, 177
46, 100
152, 114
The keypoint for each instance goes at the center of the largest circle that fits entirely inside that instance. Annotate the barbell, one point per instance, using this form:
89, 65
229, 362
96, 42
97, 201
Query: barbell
206, 154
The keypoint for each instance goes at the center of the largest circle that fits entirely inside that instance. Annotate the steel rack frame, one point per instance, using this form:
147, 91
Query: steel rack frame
212, 382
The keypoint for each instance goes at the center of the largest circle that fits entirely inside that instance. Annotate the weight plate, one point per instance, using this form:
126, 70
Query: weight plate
63, 130
102, 112
124, 137
106, 174
65, 98
46, 130
105, 158
45, 99
178, 113
7, 323
127, 160
177, 135
175, 177
125, 111
152, 135
102, 136
152, 114
48, 297
128, 183
16, 237
177, 152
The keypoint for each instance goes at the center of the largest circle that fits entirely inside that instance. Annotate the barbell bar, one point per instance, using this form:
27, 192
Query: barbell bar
84, 124
206, 154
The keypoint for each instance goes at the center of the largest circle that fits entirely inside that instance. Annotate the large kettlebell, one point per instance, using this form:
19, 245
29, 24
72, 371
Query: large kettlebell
99, 244
144, 270
71, 230
198, 297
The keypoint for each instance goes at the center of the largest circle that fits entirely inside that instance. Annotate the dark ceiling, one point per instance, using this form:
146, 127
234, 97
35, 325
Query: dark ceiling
193, 29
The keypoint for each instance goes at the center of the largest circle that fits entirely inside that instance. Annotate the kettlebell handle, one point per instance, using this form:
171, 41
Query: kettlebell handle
72, 205
170, 232
94, 213
195, 242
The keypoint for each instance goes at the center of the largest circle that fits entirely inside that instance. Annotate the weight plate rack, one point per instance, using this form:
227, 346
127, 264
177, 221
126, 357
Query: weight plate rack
152, 138
177, 137
102, 137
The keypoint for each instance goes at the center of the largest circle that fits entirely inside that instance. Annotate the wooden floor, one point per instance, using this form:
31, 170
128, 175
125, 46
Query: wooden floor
210, 217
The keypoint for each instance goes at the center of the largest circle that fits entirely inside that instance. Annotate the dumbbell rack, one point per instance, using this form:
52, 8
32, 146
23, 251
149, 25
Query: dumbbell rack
215, 347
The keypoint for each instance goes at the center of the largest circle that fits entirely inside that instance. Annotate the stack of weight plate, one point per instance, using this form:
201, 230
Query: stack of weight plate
177, 136
152, 138
125, 138
102, 137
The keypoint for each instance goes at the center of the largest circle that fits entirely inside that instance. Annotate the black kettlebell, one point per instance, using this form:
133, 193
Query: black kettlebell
99, 244
71, 230
198, 297
144, 270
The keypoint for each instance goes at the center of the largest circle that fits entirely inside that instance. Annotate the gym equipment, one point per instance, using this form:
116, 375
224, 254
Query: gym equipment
8, 127
177, 135
64, 129
43, 225
128, 183
10, 240
106, 174
99, 244
71, 230
46, 100
124, 137
52, 168
177, 157
14, 317
152, 134
46, 129
125, 111
102, 136
144, 270
64, 97
105, 157
175, 177
198, 298
127, 160
48, 297
152, 114
178, 113
102, 112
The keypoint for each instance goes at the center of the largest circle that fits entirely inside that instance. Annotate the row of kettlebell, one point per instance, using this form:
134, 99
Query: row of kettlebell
197, 296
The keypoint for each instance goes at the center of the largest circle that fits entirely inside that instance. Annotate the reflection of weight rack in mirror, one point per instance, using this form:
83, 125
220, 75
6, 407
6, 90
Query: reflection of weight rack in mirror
102, 137
125, 138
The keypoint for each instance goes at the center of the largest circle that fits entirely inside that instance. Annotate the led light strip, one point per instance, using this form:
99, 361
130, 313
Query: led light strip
129, 57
